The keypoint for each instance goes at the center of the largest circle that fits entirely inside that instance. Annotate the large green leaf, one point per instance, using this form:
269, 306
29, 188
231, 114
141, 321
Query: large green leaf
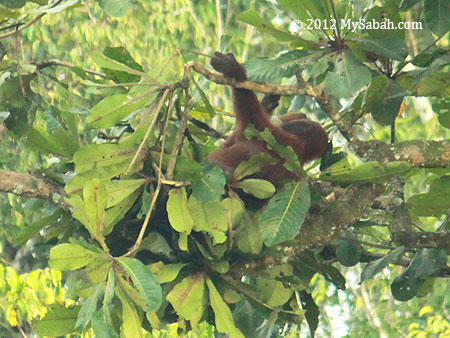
436, 202
144, 282
59, 142
70, 257
222, 314
178, 212
166, 273
435, 84
377, 266
426, 262
256, 187
391, 47
210, 186
118, 190
116, 8
383, 99
120, 54
28, 232
59, 321
109, 111
210, 217
274, 69
188, 298
273, 292
89, 307
254, 19
349, 77
132, 323
437, 16
285, 213
95, 200
117, 212
101, 155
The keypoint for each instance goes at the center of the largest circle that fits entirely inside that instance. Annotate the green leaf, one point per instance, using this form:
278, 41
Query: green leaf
95, 200
210, 217
168, 272
436, 202
253, 18
102, 329
112, 109
435, 84
13, 3
178, 212
115, 214
157, 244
58, 321
369, 172
273, 292
222, 314
28, 232
188, 298
101, 155
253, 165
144, 282
291, 162
383, 99
118, 190
405, 287
426, 262
349, 77
60, 142
312, 311
274, 69
437, 16
106, 62
259, 188
132, 323
249, 240
285, 213
70, 257
348, 253
208, 106
187, 169
210, 186
108, 296
377, 266
89, 307
442, 107
391, 47
120, 54
116, 8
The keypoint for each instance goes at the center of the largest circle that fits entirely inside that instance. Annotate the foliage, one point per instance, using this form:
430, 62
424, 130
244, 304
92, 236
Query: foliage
152, 234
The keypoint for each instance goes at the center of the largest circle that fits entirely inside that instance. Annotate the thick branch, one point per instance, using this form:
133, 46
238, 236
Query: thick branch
420, 153
403, 233
337, 216
28, 185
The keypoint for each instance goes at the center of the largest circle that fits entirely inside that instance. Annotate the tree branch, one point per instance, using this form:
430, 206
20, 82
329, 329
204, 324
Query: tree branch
420, 153
336, 216
32, 186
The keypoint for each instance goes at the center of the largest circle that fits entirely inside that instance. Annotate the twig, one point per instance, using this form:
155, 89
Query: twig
138, 242
17, 30
150, 127
54, 62
179, 137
